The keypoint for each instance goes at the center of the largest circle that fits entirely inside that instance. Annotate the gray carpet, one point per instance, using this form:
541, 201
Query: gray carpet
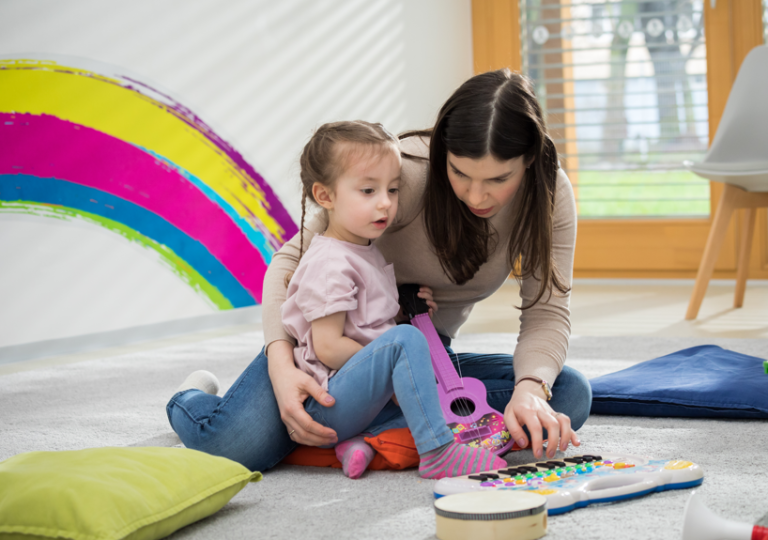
120, 400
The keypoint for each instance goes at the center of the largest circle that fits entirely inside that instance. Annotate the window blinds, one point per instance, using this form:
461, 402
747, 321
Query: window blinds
624, 87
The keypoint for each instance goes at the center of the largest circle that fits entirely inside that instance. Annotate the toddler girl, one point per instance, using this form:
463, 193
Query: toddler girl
342, 301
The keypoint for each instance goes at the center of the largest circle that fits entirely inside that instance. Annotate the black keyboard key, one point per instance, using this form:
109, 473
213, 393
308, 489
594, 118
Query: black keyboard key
588, 459
576, 460
528, 469
479, 477
491, 475
557, 463
548, 466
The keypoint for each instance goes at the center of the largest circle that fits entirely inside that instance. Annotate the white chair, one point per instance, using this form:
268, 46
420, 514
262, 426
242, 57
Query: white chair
738, 157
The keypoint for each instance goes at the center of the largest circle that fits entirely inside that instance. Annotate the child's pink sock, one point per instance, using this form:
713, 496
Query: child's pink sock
355, 454
456, 459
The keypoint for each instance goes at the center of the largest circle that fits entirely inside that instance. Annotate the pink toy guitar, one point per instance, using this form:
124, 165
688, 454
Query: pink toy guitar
463, 400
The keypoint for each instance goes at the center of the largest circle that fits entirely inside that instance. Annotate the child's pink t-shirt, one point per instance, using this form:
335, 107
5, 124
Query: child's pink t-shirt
334, 276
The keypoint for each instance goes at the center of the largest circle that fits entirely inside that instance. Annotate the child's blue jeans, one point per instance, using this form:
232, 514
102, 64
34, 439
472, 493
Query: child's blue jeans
396, 362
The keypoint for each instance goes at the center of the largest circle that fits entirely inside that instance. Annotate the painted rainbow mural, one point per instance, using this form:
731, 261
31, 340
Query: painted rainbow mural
80, 140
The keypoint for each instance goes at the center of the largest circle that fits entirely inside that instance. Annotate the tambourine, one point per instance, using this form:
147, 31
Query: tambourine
497, 515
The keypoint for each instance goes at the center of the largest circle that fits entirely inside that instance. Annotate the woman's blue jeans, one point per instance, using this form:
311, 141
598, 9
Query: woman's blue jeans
244, 425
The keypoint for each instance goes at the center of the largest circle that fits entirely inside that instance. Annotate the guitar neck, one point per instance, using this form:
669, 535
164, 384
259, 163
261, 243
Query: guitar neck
446, 374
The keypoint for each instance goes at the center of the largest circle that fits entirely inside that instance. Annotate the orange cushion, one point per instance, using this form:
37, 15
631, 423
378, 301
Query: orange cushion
395, 449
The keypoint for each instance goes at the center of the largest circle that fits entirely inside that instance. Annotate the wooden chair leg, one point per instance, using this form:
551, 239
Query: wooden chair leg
745, 248
714, 242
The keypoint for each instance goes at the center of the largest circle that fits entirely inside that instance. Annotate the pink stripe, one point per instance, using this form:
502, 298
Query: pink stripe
432, 459
46, 146
439, 457
450, 460
462, 467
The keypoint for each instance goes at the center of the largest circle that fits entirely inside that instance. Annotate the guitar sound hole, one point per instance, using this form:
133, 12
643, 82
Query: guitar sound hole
462, 407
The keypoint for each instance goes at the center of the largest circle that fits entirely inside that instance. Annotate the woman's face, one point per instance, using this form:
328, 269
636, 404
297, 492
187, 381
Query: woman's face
485, 185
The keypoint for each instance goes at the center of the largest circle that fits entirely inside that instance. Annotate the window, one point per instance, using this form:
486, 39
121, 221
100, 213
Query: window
625, 239
624, 87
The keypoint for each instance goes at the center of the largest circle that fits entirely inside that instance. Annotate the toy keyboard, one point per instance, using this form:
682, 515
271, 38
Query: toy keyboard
578, 481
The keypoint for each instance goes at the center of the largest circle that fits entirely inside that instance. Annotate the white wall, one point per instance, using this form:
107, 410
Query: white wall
263, 74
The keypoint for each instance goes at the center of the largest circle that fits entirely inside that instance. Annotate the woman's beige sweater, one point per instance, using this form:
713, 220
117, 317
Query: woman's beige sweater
544, 328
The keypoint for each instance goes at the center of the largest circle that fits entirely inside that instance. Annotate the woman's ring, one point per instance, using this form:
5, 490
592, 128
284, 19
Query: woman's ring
558, 414
292, 432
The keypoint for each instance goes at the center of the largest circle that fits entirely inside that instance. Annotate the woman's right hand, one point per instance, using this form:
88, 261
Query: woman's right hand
528, 407
292, 387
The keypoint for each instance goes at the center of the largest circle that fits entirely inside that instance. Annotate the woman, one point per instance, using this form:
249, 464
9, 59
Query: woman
479, 192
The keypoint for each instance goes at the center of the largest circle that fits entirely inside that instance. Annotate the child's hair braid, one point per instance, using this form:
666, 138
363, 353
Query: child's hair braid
323, 160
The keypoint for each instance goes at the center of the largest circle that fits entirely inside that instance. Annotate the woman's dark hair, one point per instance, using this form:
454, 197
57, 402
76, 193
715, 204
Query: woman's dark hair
496, 114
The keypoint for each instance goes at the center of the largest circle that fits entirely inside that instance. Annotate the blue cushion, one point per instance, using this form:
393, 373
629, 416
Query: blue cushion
704, 382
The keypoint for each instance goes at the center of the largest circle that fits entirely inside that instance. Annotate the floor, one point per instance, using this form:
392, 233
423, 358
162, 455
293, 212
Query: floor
622, 307
611, 320
51, 408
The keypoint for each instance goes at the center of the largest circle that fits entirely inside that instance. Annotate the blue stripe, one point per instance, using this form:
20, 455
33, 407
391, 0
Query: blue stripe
22, 187
582, 504
666, 487
255, 236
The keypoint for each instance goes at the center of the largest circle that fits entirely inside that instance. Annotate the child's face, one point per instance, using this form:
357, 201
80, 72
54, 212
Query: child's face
363, 201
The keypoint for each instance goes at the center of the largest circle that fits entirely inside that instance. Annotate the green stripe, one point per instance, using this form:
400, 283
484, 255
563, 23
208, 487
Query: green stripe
175, 263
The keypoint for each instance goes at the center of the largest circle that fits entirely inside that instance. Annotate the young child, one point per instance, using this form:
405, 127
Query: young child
342, 301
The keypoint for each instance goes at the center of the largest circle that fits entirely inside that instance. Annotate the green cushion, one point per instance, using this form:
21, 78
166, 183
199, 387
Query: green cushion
113, 493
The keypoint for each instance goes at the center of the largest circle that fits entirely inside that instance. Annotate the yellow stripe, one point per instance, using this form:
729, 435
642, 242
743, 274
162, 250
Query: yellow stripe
101, 103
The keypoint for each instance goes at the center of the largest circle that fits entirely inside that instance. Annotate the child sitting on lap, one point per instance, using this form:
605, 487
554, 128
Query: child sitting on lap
341, 304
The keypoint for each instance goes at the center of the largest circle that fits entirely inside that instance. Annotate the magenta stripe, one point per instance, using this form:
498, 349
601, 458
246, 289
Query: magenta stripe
461, 468
46, 146
447, 461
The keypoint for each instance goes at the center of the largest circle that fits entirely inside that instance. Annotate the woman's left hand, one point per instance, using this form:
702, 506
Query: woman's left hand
425, 293
528, 407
